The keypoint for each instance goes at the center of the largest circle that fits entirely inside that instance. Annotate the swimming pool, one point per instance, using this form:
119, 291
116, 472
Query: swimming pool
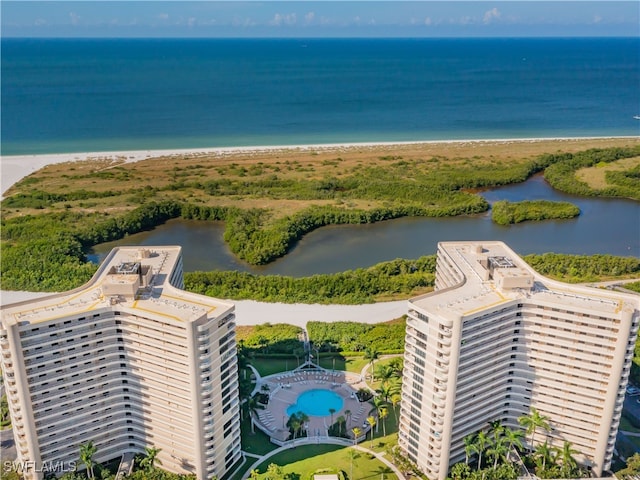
316, 403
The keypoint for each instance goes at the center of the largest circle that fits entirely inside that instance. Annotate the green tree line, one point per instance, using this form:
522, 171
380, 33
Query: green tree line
358, 337
562, 168
504, 212
351, 287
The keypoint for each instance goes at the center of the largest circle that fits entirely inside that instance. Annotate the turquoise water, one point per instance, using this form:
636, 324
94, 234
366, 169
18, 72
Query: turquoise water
316, 403
71, 95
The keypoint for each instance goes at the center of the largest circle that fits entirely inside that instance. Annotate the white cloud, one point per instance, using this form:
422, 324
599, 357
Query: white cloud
308, 18
163, 16
597, 19
40, 21
243, 22
284, 19
491, 15
75, 18
428, 21
191, 21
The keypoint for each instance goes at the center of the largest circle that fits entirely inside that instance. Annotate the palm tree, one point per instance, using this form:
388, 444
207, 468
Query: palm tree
87, 451
384, 392
498, 450
148, 462
341, 421
384, 373
395, 401
379, 403
274, 471
356, 434
397, 365
383, 413
303, 417
469, 442
372, 422
252, 406
566, 457
294, 424
496, 428
347, 413
543, 455
513, 438
395, 386
532, 422
479, 445
372, 355
331, 412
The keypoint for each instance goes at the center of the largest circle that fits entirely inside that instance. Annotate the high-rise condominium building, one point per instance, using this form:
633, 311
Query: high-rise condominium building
496, 339
127, 361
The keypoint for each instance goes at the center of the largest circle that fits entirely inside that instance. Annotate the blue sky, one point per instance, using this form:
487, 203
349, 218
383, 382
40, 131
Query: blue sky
318, 18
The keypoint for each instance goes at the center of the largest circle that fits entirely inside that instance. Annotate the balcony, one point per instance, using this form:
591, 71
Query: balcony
205, 386
444, 360
442, 376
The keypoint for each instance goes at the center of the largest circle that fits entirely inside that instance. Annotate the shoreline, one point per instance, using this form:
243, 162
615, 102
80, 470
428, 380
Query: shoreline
14, 168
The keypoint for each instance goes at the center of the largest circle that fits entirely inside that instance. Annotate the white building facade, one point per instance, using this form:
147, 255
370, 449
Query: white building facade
495, 339
128, 361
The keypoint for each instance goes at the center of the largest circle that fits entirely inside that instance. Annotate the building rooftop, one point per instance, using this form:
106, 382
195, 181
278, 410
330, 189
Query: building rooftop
495, 274
134, 278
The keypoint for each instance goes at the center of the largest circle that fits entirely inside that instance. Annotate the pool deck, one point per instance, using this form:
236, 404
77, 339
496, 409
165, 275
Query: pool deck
284, 389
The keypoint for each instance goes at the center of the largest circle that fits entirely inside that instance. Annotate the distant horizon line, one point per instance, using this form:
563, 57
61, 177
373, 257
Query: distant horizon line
270, 37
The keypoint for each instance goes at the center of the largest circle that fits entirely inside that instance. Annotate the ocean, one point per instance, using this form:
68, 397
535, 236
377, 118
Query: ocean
86, 95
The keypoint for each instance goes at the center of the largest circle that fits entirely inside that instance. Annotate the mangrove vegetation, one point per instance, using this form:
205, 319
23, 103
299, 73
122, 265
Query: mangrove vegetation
504, 212
269, 201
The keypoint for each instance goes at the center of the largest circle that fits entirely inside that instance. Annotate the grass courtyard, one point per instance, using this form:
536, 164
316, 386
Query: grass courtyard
304, 460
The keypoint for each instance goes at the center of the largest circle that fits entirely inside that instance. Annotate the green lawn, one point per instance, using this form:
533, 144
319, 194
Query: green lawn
268, 365
355, 364
257, 443
626, 425
306, 459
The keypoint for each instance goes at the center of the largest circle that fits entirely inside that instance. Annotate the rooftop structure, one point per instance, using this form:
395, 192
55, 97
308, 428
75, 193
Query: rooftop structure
127, 361
495, 339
